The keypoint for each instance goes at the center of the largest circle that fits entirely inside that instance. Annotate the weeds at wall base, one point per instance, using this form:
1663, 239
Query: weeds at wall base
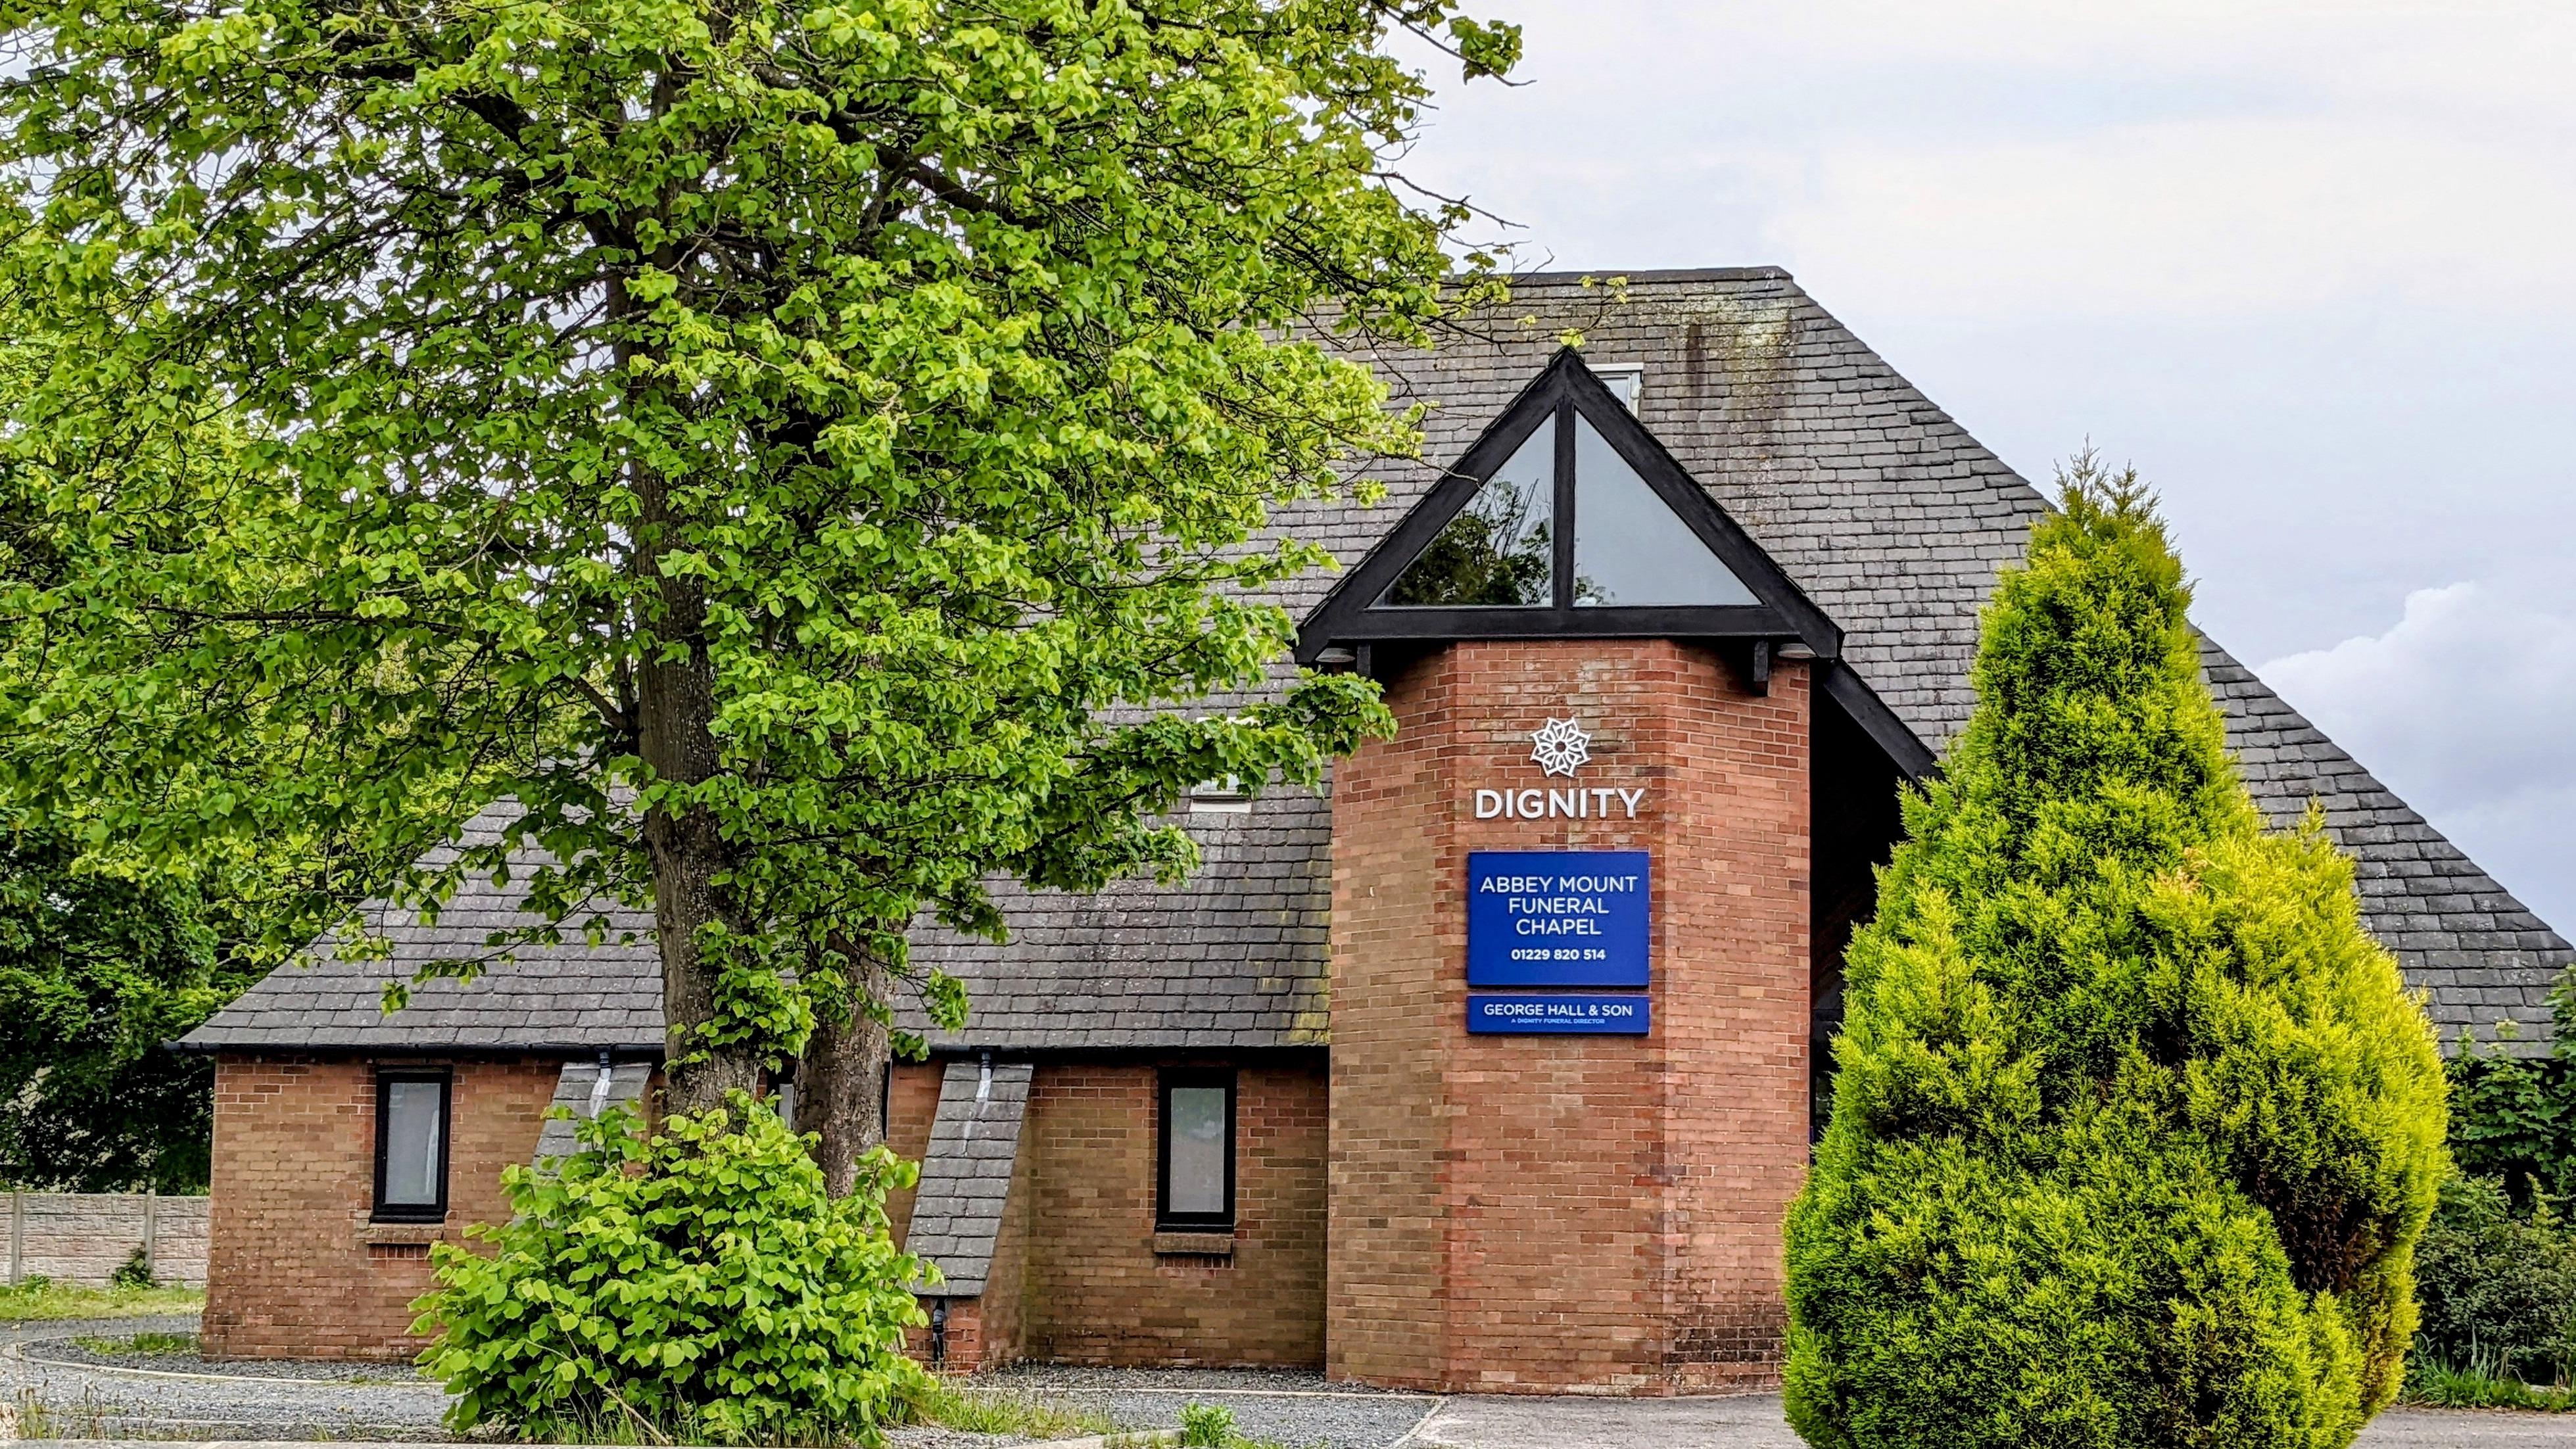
2440, 1386
942, 1405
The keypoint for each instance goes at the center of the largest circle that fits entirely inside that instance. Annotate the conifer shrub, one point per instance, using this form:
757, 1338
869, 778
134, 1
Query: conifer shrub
692, 1285
2134, 1126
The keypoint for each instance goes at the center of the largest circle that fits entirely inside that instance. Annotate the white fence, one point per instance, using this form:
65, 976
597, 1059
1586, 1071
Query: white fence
85, 1237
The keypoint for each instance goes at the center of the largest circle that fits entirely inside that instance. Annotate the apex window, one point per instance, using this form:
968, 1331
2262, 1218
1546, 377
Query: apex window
411, 1144
1568, 522
1195, 1151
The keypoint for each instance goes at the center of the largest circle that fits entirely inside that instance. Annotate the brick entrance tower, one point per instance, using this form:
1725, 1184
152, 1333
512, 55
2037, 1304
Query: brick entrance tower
1525, 1213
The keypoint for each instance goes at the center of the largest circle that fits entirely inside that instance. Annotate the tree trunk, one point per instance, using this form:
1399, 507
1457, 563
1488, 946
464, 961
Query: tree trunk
840, 1085
675, 712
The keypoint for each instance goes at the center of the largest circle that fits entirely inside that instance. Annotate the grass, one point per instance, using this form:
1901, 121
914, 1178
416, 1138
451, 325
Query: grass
2440, 1386
37, 1299
87, 1418
139, 1343
991, 1411
942, 1404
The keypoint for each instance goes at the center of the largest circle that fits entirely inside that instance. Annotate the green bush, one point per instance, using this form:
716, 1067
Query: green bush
695, 1285
2498, 1289
2513, 1118
1206, 1426
2134, 1127
134, 1272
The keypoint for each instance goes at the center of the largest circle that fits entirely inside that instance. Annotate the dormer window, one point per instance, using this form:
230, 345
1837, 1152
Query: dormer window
1624, 380
1227, 796
1567, 522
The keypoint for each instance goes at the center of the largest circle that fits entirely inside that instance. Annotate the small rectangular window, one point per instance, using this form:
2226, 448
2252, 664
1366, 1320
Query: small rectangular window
1624, 379
411, 1145
1196, 1155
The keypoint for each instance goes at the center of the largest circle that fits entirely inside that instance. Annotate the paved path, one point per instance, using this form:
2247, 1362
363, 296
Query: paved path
1748, 1422
2467, 1429
1754, 1422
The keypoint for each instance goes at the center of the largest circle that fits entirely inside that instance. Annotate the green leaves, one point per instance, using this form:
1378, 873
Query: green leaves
843, 440
2134, 1125
694, 1284
1486, 48
96, 973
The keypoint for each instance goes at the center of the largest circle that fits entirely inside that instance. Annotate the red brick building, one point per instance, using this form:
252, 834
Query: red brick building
1493, 1067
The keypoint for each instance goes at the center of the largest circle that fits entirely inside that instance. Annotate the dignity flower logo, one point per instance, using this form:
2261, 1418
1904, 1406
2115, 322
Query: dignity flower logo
1561, 747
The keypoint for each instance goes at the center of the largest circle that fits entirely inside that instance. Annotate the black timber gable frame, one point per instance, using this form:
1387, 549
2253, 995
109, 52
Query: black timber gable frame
1352, 614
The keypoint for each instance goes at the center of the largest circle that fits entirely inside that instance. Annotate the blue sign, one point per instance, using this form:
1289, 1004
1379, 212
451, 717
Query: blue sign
1556, 918
1531, 1015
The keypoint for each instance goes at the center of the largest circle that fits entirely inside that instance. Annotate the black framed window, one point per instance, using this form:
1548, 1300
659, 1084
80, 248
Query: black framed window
411, 1144
1630, 548
1194, 1156
1567, 522
1565, 519
1500, 550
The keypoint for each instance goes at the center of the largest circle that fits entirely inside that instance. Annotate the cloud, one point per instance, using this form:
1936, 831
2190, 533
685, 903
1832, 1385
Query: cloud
2301, 260
2166, 161
2462, 708
2217, 219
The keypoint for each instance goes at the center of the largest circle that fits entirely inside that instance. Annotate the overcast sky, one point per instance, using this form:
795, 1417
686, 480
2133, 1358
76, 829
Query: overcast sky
2311, 267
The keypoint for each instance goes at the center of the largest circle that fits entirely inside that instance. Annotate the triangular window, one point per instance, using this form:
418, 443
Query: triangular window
1629, 545
1500, 550
1565, 519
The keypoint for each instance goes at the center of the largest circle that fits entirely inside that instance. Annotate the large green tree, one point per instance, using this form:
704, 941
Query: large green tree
97, 976
800, 454
106, 953
2134, 1125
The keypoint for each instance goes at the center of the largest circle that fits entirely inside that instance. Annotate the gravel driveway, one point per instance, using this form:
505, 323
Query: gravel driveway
1298, 1409
91, 1400
109, 1400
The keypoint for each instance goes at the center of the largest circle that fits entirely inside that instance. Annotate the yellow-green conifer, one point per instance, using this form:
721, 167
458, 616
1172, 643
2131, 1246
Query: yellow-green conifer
2135, 1125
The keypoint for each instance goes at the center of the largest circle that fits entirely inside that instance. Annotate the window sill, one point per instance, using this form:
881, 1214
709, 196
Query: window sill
403, 1227
1194, 1243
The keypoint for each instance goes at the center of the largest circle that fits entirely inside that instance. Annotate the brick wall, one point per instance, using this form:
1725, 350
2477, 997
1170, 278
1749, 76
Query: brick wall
295, 1270
1524, 1212
86, 1237
1002, 1313
1092, 1289
912, 1100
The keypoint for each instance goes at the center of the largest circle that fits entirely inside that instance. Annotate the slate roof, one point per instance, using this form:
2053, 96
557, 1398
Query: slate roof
586, 1089
966, 1174
1875, 502
574, 998
1234, 957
